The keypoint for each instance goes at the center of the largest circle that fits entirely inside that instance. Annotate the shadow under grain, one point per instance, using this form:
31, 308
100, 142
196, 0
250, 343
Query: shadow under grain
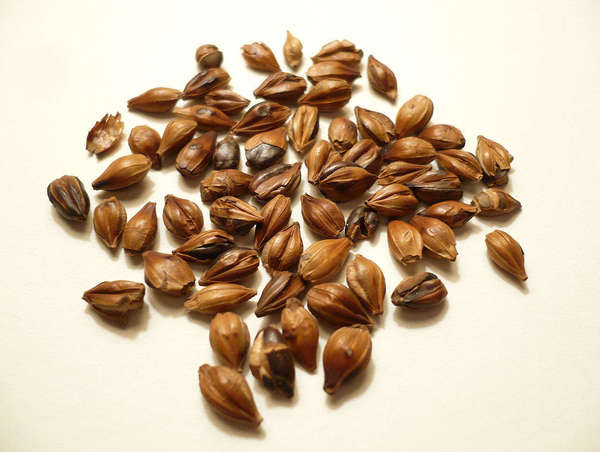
274, 398
467, 230
138, 322
112, 253
167, 305
191, 185
509, 279
352, 387
499, 221
444, 269
77, 230
420, 318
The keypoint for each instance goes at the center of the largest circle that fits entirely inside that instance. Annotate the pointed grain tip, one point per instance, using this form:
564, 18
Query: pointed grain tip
329, 389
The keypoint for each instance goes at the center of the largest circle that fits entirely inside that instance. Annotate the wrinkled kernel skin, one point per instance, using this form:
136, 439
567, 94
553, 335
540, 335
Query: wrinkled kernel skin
301, 332
205, 246
140, 230
347, 351
282, 286
228, 393
233, 265
227, 154
69, 197
423, 290
506, 253
271, 361
362, 223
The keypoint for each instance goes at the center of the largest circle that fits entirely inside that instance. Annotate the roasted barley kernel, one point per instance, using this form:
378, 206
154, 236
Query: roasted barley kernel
303, 127
347, 352
438, 238
362, 223
343, 181
394, 200
331, 70
400, 172
205, 81
105, 134
266, 148
413, 116
301, 332
453, 213
461, 163
281, 87
67, 194
219, 297
260, 57
229, 102
423, 290
343, 134
337, 305
228, 394
145, 140
209, 55
411, 150
320, 157
227, 182
261, 117
493, 157
276, 213
283, 250
282, 286
115, 300
233, 265
292, 51
342, 51
229, 338
405, 242
323, 260
506, 253
381, 78
271, 361
374, 125
140, 230
495, 202
123, 172
205, 246
196, 155
443, 136
279, 179
155, 100
206, 117
322, 216
167, 273
234, 215
109, 221
435, 186
183, 218
177, 134
227, 154
328, 95
366, 280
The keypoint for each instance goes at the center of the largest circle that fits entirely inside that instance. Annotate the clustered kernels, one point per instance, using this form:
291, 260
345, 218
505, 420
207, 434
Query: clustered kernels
413, 161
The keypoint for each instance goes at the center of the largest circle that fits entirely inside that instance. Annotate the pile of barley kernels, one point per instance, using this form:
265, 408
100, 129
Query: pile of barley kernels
397, 156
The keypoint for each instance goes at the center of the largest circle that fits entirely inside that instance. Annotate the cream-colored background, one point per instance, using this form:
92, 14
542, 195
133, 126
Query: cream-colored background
500, 367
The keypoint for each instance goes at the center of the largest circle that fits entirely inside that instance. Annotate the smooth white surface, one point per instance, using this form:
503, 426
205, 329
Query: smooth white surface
500, 367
